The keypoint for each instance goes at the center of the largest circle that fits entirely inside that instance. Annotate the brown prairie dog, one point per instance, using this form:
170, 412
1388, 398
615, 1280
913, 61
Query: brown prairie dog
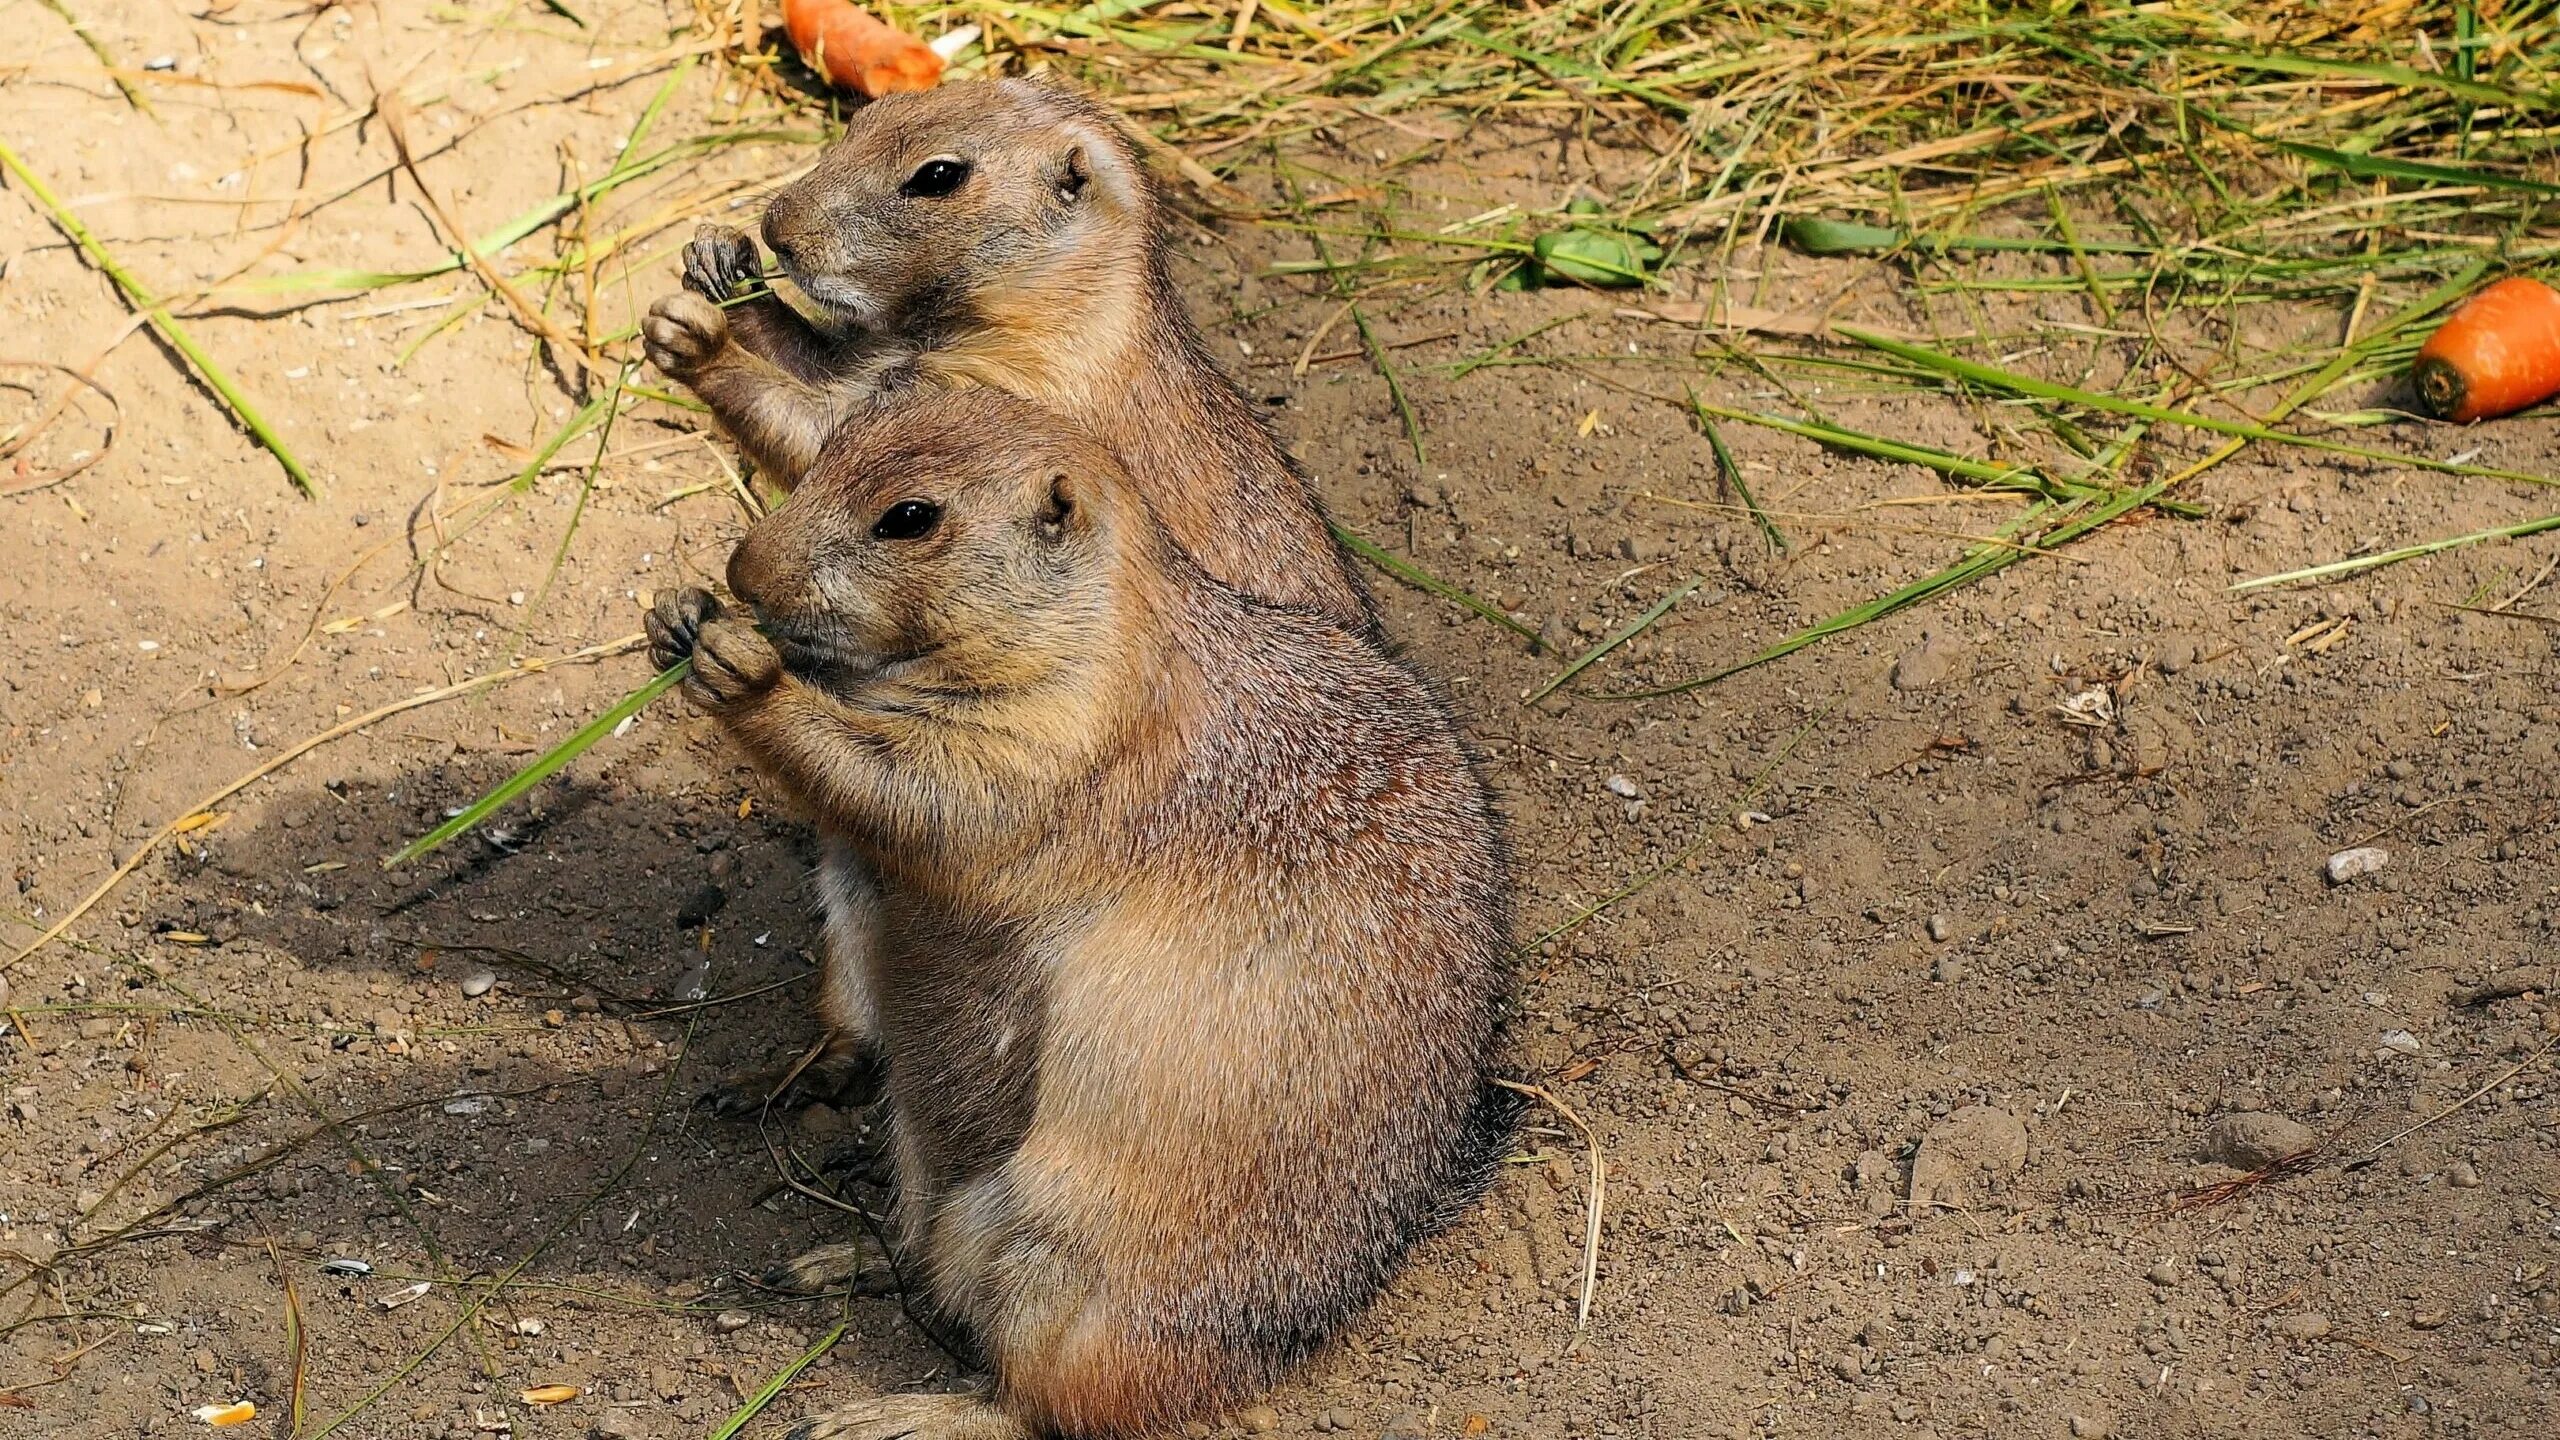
1003, 235
1191, 919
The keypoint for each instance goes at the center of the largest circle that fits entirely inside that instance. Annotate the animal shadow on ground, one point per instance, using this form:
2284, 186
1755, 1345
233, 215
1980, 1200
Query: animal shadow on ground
479, 1076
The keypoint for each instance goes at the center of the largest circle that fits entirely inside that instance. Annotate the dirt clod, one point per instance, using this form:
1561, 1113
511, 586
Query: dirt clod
2253, 1140
1968, 1158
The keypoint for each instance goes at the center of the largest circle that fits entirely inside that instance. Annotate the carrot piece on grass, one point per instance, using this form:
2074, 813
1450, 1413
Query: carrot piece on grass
852, 49
2494, 356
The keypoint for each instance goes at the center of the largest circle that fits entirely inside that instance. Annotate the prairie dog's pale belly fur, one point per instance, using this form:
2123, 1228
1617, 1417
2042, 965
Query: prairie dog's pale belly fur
1186, 918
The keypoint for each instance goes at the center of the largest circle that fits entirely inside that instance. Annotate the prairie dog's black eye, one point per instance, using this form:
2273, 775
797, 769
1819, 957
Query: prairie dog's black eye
907, 520
937, 177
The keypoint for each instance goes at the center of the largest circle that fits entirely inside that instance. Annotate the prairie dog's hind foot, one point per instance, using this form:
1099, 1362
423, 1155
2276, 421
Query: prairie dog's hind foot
683, 333
848, 1077
913, 1417
717, 260
852, 1264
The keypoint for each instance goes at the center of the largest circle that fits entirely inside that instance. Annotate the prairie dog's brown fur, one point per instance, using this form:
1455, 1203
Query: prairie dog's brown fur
1191, 914
1041, 272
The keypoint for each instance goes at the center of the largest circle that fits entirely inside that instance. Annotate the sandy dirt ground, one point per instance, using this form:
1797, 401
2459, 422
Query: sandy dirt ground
1959, 970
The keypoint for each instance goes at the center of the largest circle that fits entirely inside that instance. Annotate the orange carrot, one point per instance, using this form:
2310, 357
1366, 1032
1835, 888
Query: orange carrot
854, 50
2497, 354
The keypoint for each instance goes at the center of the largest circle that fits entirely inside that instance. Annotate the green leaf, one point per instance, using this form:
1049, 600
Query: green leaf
1603, 259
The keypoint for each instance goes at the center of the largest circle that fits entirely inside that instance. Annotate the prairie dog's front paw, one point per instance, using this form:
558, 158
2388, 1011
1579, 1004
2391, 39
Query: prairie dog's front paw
676, 620
683, 333
718, 260
732, 661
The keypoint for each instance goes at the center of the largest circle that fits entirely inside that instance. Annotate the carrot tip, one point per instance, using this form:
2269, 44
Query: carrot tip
2439, 386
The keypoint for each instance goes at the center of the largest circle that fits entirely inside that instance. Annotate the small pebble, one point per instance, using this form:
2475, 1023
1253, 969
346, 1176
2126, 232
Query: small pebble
2252, 1140
728, 1321
478, 983
2462, 1175
2346, 865
1258, 1419
2425, 1319
2086, 1427
1941, 929
1950, 970
2301, 1325
2398, 1042
1622, 787
2163, 1273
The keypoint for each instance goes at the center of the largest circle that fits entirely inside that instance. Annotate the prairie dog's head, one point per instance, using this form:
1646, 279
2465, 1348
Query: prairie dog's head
963, 204
955, 542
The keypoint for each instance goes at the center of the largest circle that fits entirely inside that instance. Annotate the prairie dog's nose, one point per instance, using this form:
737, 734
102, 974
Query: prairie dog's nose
778, 232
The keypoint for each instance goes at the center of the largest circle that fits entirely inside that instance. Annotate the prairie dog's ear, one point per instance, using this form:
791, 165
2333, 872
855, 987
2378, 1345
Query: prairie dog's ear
1095, 166
1062, 507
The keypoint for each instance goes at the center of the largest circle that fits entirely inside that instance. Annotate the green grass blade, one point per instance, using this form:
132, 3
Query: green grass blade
2384, 167
1998, 379
141, 298
1731, 469
544, 766
1421, 579
2014, 477
2362, 563
781, 1380
1630, 631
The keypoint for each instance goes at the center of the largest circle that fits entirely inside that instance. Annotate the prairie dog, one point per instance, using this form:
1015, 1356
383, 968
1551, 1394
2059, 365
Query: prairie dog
1191, 915
1001, 235
1004, 234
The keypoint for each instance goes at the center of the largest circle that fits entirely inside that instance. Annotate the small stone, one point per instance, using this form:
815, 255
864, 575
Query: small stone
478, 983
1336, 1419
1949, 970
2254, 1140
1879, 1333
97, 1029
1970, 1156
585, 1004
2462, 1175
1933, 661
1622, 787
1554, 635
2300, 1325
2176, 655
2089, 1427
1258, 1419
1941, 929
554, 1019
1411, 1425
2426, 1319
1846, 1365
698, 910
204, 1362
730, 1321
2163, 1272
2346, 865
2398, 1042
